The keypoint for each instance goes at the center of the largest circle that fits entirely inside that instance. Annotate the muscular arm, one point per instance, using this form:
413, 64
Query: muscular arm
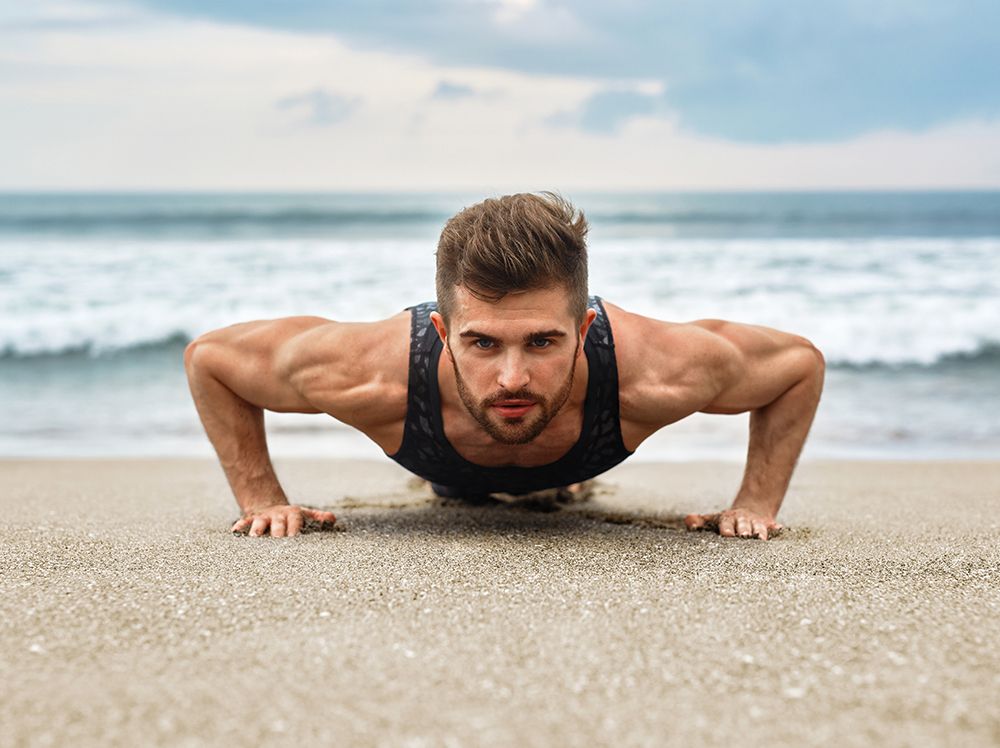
234, 377
778, 377
293, 365
711, 366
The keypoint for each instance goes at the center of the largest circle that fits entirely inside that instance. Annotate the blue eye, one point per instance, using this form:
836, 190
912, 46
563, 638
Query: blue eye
483, 344
541, 343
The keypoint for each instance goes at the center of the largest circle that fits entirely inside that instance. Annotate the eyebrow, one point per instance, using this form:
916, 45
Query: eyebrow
527, 338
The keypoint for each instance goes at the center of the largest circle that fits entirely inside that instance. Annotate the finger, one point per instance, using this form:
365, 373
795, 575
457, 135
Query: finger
319, 516
295, 523
727, 526
259, 526
703, 521
240, 525
278, 527
694, 522
760, 529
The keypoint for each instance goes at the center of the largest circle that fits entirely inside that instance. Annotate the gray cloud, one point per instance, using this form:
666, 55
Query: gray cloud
448, 90
319, 107
607, 111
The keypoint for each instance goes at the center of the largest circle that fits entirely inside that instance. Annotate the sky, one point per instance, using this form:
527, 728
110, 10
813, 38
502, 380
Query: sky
499, 95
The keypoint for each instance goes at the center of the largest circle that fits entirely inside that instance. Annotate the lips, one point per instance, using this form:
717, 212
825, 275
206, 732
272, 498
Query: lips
513, 408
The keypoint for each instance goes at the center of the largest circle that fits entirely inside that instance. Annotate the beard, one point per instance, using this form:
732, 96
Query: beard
519, 430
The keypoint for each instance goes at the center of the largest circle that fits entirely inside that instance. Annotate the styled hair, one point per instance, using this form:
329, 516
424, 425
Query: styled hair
520, 242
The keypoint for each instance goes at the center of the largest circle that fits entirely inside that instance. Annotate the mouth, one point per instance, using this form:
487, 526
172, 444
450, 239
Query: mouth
511, 409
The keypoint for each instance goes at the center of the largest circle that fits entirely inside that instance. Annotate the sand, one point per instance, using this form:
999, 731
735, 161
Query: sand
130, 615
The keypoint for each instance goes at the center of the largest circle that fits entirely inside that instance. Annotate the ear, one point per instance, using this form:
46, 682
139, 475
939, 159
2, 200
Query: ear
588, 320
438, 321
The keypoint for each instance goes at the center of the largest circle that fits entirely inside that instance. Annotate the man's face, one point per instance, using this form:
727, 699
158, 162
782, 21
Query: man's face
514, 359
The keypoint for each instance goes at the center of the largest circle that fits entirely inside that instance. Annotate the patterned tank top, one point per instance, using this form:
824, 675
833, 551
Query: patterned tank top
426, 451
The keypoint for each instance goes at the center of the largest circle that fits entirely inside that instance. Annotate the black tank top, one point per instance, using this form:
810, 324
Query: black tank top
426, 452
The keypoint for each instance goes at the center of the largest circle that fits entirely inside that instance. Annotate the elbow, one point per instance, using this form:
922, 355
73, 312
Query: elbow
813, 365
189, 353
197, 355
818, 360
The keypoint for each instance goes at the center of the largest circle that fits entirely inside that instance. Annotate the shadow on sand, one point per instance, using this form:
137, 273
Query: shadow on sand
555, 509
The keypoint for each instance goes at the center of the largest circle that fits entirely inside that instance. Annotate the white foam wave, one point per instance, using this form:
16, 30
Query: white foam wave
891, 302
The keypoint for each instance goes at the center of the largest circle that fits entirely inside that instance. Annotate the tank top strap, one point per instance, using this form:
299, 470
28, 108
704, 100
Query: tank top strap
419, 438
602, 427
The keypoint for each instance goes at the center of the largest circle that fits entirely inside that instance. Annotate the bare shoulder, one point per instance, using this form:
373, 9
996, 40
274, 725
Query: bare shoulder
665, 353
669, 370
355, 371
666, 370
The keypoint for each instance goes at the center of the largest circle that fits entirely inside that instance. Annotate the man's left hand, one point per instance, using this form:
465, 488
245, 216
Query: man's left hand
734, 522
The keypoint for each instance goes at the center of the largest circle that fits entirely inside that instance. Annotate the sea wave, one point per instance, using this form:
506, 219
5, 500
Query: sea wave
942, 220
984, 354
799, 214
863, 303
171, 339
93, 349
308, 221
213, 220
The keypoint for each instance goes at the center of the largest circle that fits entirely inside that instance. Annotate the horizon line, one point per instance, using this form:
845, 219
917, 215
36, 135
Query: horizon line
119, 191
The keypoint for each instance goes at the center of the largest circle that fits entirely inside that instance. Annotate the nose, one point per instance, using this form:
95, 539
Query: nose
513, 374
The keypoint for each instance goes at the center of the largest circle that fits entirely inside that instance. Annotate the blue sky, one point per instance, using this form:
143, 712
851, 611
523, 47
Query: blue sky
834, 94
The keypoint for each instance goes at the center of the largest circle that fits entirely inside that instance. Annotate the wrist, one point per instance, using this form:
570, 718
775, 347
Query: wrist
757, 506
251, 507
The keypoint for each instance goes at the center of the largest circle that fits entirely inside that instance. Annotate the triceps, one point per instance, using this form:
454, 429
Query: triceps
765, 364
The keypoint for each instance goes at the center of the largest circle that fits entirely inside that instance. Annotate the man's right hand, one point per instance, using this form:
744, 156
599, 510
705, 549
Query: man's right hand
281, 520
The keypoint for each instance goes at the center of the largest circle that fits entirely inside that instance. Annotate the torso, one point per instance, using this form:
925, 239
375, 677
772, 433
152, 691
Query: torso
442, 443
383, 379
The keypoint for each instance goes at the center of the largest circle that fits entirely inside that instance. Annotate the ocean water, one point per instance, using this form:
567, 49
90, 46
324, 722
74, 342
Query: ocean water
99, 294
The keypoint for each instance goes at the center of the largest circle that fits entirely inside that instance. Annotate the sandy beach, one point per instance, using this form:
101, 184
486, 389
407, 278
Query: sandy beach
130, 615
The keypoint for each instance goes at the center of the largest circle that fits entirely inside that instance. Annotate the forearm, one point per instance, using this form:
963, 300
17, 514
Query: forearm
235, 428
777, 434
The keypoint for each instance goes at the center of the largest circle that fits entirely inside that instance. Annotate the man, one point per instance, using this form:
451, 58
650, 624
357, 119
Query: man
539, 385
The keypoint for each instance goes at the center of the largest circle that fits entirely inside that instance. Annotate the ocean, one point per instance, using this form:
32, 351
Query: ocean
99, 294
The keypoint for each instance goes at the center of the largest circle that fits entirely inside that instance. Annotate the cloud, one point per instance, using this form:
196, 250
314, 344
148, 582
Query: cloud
448, 90
766, 72
175, 103
64, 14
319, 107
606, 111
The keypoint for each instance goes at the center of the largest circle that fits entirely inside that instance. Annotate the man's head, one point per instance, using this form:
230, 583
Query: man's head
512, 295
514, 243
